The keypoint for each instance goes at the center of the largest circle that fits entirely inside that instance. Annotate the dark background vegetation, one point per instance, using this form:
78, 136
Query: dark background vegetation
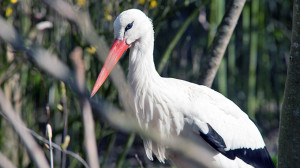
252, 73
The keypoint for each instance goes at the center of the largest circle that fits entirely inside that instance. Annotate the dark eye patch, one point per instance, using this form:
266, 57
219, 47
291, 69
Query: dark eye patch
129, 26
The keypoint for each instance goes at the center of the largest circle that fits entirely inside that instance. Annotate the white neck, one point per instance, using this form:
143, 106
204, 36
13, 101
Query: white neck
151, 102
141, 65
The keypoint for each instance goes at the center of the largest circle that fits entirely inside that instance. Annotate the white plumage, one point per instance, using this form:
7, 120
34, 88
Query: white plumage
179, 108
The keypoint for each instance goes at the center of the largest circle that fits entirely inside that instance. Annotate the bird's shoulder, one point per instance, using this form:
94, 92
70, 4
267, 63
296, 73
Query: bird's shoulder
200, 97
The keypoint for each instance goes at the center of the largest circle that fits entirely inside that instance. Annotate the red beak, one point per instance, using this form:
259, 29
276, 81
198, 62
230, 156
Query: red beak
115, 53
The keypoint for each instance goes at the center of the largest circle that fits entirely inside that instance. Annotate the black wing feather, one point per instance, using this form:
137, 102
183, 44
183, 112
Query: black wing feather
258, 158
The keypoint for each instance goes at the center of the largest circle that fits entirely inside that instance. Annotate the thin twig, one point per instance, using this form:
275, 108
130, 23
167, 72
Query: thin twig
54, 145
33, 149
49, 135
211, 62
87, 115
9, 72
139, 160
65, 117
177, 37
109, 148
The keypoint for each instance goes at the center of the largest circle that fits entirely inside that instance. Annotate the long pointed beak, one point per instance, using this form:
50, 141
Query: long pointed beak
115, 53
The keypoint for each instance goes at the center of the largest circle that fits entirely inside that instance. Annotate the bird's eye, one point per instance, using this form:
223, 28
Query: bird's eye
129, 26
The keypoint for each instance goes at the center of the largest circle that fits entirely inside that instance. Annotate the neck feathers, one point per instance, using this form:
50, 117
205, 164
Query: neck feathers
141, 64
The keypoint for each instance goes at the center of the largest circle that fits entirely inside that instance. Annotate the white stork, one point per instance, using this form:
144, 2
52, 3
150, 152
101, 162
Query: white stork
172, 105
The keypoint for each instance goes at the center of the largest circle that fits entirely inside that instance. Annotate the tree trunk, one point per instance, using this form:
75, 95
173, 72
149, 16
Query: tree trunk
289, 134
211, 62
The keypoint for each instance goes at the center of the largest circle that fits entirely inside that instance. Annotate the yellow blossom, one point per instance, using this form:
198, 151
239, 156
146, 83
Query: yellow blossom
81, 2
13, 1
107, 15
91, 50
153, 4
141, 2
8, 12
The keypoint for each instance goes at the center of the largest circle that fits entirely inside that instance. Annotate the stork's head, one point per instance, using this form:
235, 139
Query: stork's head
130, 26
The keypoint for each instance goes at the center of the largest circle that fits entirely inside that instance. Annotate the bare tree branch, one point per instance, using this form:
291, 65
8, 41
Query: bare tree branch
211, 62
83, 21
4, 162
55, 146
87, 116
33, 149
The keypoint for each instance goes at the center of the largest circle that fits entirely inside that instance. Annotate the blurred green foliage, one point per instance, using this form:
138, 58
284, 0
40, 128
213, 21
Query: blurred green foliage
252, 73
